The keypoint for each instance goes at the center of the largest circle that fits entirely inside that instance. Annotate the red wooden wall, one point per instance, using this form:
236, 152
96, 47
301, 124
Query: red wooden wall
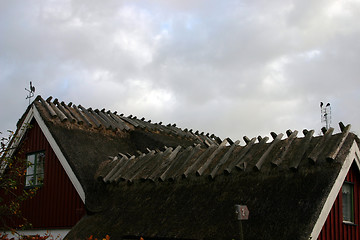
56, 203
334, 228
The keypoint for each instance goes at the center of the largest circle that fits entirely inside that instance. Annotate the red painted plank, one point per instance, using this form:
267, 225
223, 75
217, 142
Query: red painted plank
56, 202
334, 228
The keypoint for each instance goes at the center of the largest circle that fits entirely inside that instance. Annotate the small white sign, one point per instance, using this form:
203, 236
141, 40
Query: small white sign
242, 212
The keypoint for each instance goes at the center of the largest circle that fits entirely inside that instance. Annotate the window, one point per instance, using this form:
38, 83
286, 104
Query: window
35, 170
348, 202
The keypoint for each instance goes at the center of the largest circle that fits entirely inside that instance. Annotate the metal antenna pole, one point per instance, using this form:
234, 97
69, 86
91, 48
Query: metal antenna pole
325, 114
31, 92
328, 115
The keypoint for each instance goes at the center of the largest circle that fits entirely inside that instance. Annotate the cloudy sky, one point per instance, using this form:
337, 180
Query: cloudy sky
231, 68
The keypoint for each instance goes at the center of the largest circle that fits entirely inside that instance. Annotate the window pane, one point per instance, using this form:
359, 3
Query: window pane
31, 168
29, 180
40, 163
347, 202
35, 169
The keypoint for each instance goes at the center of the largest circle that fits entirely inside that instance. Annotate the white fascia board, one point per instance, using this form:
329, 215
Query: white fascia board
352, 156
20, 134
59, 154
17, 138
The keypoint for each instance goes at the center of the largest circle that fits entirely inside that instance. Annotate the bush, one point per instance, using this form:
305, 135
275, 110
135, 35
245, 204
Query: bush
12, 192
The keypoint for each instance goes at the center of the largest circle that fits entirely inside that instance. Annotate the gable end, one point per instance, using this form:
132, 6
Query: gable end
352, 156
33, 113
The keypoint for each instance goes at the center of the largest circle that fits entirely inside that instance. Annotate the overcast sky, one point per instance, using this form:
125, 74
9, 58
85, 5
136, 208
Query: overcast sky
231, 68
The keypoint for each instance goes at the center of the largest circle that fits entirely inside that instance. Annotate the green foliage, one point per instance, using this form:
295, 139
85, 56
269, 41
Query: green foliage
12, 192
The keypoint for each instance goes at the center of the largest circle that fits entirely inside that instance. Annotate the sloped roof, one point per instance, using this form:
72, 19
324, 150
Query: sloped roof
218, 159
190, 192
163, 181
86, 137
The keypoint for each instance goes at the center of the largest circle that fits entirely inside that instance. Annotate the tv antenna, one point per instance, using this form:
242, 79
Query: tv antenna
31, 92
326, 114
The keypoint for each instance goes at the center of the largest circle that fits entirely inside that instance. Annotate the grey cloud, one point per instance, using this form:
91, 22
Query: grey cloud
231, 68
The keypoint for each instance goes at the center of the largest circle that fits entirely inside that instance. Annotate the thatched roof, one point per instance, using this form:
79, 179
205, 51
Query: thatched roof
163, 182
87, 137
190, 193
217, 159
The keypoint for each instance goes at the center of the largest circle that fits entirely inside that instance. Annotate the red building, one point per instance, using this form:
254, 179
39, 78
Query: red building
59, 201
342, 220
162, 182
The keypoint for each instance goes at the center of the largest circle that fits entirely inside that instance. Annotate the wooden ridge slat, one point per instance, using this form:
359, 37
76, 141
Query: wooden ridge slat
120, 123
178, 168
198, 160
301, 150
156, 163
60, 114
289, 141
128, 162
90, 116
129, 120
262, 159
223, 159
97, 114
201, 170
48, 108
163, 164
113, 171
237, 163
246, 158
345, 132
108, 119
81, 114
77, 118
171, 162
313, 156
141, 169
135, 170
62, 109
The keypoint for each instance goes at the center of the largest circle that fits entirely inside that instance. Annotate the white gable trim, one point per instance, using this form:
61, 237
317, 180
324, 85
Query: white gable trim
17, 138
353, 155
34, 113
20, 134
59, 154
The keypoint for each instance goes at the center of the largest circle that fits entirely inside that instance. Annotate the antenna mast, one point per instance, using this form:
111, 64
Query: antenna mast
326, 114
31, 92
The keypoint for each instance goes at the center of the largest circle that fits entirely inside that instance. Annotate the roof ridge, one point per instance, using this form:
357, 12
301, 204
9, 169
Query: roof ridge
216, 159
70, 113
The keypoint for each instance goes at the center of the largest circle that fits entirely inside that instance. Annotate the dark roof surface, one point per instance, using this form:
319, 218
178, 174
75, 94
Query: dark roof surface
87, 137
190, 192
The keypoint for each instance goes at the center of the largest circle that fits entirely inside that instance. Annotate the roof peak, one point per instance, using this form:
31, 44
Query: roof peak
57, 110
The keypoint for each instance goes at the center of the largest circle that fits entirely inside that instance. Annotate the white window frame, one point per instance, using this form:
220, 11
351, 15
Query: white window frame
347, 191
35, 171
